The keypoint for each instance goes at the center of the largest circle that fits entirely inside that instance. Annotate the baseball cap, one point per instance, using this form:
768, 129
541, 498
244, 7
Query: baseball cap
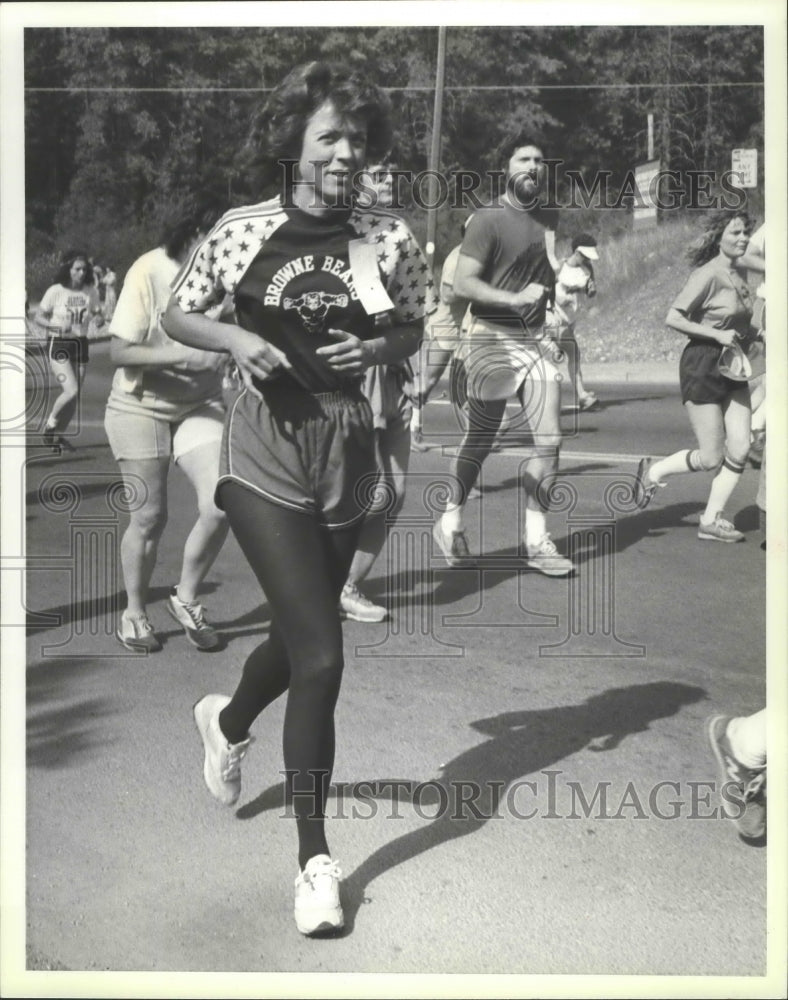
586, 244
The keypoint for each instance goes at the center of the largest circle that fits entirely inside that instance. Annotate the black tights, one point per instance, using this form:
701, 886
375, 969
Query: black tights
301, 567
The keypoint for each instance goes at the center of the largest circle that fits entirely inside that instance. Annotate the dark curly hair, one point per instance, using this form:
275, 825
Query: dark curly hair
276, 133
63, 273
516, 140
707, 245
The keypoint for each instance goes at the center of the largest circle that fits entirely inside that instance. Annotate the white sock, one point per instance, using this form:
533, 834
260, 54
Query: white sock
535, 526
747, 737
451, 519
722, 486
673, 465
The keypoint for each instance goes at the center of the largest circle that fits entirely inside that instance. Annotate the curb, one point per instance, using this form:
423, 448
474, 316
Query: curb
652, 372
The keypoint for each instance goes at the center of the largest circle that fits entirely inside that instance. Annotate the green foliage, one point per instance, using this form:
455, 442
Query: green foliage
146, 119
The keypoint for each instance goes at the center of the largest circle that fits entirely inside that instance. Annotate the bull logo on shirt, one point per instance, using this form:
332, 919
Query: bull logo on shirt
312, 308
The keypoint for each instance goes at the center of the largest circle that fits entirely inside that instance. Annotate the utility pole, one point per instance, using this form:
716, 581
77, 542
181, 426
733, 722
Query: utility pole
435, 145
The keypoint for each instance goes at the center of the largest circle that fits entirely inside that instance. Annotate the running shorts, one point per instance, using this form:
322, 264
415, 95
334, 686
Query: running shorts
154, 428
498, 362
699, 377
313, 453
73, 349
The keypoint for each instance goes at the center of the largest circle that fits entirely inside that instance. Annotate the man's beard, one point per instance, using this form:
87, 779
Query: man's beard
523, 189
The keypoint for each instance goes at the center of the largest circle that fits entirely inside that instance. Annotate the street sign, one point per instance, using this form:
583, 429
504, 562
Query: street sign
744, 167
644, 211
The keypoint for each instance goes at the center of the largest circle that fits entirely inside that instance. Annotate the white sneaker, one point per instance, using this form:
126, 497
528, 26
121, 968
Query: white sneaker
317, 906
547, 559
454, 546
719, 530
136, 632
191, 617
222, 767
355, 606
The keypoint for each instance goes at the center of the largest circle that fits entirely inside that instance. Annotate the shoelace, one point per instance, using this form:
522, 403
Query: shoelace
195, 612
326, 870
725, 525
235, 755
754, 786
547, 546
140, 624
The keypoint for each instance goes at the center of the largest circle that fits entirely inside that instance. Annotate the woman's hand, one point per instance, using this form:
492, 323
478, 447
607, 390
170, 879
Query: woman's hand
349, 355
255, 357
726, 337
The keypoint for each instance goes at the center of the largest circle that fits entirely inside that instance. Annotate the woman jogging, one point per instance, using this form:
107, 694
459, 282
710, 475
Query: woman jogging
713, 310
65, 312
165, 405
575, 277
307, 272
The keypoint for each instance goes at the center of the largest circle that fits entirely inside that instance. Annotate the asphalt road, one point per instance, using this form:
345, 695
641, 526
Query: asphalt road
569, 712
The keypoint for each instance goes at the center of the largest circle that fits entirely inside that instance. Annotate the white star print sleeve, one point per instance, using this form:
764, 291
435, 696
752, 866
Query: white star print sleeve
406, 273
199, 284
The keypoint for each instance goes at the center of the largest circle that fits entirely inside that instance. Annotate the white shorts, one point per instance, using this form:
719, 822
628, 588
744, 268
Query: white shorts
140, 435
497, 362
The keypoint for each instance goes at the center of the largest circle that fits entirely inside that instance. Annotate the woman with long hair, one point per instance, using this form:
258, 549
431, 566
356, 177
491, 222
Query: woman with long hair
308, 272
65, 312
713, 310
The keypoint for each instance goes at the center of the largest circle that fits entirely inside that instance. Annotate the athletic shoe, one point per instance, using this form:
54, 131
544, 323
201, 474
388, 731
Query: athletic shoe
417, 441
547, 559
49, 437
65, 444
135, 632
588, 403
191, 616
358, 608
645, 488
317, 906
455, 548
744, 785
222, 767
474, 493
719, 530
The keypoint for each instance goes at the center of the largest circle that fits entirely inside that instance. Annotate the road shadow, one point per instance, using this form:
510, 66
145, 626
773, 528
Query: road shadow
82, 610
612, 403
520, 743
101, 487
57, 731
442, 585
748, 518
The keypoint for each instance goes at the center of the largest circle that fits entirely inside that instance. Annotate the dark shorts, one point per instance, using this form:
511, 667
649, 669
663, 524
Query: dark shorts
699, 378
312, 453
73, 349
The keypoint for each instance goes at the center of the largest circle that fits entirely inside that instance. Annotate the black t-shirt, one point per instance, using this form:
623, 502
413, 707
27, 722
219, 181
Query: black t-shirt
292, 281
509, 243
